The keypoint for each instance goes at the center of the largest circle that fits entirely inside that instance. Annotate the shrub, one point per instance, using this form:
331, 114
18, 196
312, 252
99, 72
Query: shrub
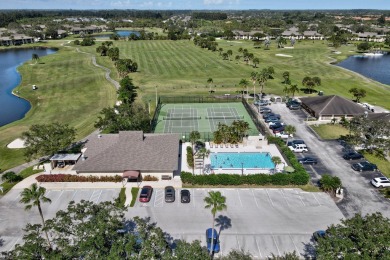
11, 177
120, 201
77, 178
134, 194
149, 178
190, 157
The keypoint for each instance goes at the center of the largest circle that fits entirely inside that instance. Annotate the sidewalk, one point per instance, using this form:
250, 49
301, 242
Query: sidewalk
26, 183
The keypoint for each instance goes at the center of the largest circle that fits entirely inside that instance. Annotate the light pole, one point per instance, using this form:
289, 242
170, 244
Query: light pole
149, 106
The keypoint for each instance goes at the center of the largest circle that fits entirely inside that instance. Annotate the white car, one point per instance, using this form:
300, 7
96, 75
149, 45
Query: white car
380, 182
272, 123
297, 148
283, 135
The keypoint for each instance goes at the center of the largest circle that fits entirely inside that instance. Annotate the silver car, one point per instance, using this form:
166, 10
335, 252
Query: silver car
169, 194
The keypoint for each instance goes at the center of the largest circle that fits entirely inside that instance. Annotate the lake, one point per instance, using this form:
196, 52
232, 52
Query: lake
13, 108
124, 33
374, 67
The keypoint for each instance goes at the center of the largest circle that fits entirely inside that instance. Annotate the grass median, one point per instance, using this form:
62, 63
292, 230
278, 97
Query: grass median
330, 131
70, 90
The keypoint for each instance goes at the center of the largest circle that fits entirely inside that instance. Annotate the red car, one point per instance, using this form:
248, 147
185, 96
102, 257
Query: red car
146, 194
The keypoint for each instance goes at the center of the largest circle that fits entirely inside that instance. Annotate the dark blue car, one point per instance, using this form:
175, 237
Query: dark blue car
209, 236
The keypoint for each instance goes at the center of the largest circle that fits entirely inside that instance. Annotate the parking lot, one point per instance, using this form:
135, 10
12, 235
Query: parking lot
13, 217
261, 221
360, 195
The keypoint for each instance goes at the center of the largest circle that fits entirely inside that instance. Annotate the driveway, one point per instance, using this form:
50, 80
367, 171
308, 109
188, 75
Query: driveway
360, 196
260, 221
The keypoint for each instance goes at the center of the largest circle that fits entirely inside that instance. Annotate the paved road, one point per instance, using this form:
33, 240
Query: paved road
360, 196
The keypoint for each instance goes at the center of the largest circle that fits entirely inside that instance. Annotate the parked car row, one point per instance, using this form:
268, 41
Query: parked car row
169, 194
350, 154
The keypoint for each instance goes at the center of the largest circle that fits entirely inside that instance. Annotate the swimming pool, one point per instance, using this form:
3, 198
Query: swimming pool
241, 160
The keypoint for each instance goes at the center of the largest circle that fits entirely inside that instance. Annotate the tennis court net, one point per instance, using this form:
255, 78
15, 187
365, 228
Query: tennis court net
225, 117
182, 118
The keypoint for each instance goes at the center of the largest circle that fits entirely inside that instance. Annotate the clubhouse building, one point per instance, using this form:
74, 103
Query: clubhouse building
131, 154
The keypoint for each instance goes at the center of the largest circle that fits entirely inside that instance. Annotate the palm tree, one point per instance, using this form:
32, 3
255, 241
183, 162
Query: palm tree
33, 196
220, 51
194, 136
267, 43
203, 153
240, 50
293, 88
216, 202
244, 84
276, 160
209, 81
241, 127
254, 79
35, 57
290, 130
262, 78
225, 56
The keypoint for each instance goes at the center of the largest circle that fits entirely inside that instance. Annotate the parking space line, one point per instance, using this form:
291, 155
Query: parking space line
158, 198
239, 198
284, 196
296, 248
258, 248
238, 242
270, 199
99, 196
59, 196
319, 204
254, 197
303, 203
276, 245
90, 198
74, 194
13, 246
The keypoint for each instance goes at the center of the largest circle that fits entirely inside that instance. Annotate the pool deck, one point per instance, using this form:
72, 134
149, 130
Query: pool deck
242, 148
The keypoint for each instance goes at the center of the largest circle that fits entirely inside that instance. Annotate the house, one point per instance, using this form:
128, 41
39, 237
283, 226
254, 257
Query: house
369, 36
329, 107
16, 39
131, 154
241, 35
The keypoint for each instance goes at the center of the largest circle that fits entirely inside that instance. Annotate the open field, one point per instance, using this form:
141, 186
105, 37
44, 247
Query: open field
179, 66
70, 90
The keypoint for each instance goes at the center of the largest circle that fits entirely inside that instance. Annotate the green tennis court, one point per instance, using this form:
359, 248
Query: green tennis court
202, 117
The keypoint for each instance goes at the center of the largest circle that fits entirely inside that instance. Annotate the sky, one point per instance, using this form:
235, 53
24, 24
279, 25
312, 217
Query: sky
195, 4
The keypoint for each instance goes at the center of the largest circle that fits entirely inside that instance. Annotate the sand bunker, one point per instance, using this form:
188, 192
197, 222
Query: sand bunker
16, 144
283, 55
289, 47
337, 52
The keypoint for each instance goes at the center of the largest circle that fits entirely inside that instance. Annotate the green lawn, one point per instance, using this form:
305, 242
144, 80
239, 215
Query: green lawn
383, 164
330, 131
70, 90
179, 66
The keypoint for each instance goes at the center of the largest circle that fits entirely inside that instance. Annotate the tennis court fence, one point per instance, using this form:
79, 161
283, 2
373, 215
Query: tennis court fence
197, 99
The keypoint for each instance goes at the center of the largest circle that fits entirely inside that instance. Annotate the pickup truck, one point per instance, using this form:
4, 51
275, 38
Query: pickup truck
283, 135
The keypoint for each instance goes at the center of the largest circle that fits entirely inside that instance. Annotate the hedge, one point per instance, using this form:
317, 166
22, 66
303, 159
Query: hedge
299, 177
77, 178
120, 201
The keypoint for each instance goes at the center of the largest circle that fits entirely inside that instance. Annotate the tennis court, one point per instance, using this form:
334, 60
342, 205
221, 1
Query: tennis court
202, 117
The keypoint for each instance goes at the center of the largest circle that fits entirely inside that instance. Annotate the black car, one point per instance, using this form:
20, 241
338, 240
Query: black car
297, 141
364, 166
352, 156
278, 130
265, 116
185, 196
276, 125
307, 160
271, 119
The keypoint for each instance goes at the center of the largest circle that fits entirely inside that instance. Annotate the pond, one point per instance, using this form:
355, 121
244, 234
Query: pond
121, 33
12, 107
376, 67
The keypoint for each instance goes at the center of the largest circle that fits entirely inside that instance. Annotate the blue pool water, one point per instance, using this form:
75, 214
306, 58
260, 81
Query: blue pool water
241, 160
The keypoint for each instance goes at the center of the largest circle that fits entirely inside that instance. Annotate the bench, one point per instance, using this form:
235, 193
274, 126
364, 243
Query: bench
166, 177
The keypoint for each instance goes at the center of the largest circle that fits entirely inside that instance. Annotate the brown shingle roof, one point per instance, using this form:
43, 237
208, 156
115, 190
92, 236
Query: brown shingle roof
130, 150
332, 105
379, 116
